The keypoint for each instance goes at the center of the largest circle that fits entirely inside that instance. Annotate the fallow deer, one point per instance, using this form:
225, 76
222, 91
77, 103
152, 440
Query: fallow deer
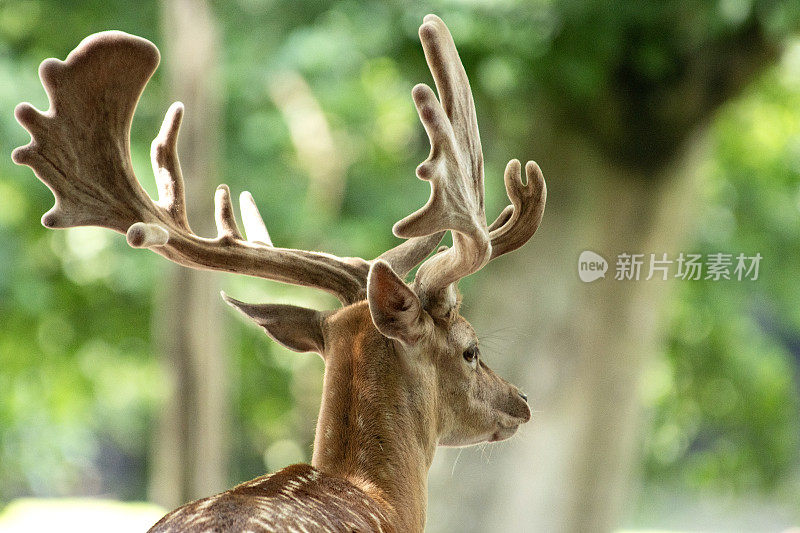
403, 371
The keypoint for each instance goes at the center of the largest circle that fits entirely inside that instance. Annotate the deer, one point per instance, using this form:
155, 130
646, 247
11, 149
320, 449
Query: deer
403, 369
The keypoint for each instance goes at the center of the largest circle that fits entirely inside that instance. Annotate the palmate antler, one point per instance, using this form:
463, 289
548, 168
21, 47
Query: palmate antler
455, 170
80, 149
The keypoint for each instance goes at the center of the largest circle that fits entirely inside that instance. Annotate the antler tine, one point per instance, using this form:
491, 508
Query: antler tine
254, 225
517, 223
223, 215
167, 167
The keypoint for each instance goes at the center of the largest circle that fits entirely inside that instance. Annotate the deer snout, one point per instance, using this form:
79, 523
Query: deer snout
516, 413
519, 406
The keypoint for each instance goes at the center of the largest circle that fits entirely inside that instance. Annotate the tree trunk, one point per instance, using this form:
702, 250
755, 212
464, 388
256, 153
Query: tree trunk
579, 349
191, 448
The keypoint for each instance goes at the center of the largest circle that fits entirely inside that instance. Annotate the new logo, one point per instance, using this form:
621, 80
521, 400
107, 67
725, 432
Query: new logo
591, 266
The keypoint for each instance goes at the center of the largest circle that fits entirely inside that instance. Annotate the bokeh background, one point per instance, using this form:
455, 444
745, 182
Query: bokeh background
661, 127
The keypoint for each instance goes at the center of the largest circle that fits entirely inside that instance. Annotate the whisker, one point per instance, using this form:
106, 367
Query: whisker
458, 455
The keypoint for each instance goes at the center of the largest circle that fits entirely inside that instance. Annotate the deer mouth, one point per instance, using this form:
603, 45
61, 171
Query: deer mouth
503, 433
509, 422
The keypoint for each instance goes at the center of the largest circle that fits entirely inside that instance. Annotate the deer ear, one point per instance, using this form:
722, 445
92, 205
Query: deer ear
296, 328
396, 310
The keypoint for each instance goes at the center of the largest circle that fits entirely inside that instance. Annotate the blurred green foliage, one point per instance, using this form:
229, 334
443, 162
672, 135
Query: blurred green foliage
80, 386
727, 403
79, 382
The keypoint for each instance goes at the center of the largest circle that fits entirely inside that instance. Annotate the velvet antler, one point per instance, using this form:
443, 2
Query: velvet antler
80, 149
455, 171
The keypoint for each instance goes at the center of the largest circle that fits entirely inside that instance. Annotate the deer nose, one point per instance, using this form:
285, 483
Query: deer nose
523, 395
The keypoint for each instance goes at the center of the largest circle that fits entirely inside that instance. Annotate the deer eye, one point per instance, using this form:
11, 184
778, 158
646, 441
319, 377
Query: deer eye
471, 355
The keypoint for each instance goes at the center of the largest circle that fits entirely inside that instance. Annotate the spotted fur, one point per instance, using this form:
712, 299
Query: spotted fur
297, 499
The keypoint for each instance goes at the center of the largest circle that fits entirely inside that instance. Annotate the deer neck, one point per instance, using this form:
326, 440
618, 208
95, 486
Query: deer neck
377, 425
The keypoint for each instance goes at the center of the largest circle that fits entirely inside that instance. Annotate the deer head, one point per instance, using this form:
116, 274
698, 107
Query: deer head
403, 369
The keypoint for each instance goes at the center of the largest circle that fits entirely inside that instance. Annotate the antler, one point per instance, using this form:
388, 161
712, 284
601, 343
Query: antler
80, 148
455, 170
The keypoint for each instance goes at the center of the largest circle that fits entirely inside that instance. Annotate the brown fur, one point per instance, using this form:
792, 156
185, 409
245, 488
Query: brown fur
385, 407
367, 410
